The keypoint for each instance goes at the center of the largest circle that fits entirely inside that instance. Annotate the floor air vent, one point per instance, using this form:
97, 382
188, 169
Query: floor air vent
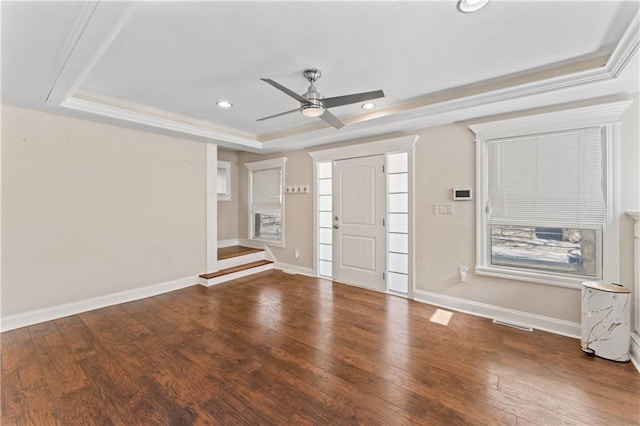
510, 324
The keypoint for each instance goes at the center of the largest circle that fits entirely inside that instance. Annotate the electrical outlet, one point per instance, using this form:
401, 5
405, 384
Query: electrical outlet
464, 273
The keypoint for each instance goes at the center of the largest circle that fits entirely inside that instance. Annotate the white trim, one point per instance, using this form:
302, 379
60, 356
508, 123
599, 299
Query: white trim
223, 138
627, 46
531, 276
385, 146
226, 166
94, 31
611, 232
526, 319
635, 350
251, 243
234, 276
229, 243
575, 118
381, 147
273, 163
606, 116
241, 260
212, 207
294, 269
54, 312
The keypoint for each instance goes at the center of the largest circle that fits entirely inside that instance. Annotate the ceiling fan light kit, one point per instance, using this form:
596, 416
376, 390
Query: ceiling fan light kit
313, 104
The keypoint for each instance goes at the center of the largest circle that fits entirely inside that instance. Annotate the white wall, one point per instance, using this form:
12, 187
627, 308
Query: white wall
90, 209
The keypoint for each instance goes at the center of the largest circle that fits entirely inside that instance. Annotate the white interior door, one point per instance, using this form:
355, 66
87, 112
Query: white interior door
359, 209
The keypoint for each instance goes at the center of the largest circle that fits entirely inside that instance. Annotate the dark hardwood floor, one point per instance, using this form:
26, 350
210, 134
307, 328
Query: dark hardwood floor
285, 349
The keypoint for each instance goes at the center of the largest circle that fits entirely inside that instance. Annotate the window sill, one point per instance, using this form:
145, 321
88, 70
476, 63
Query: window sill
532, 277
222, 197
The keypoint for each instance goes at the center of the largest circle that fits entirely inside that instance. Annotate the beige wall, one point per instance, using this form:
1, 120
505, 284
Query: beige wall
445, 158
228, 210
298, 208
91, 209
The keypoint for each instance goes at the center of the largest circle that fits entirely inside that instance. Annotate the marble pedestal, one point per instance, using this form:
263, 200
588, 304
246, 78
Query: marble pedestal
605, 320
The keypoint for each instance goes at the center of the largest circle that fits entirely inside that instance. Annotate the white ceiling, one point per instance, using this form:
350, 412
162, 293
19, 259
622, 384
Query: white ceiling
163, 65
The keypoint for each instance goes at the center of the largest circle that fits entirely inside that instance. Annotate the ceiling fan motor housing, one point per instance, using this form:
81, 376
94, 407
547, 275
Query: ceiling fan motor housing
314, 107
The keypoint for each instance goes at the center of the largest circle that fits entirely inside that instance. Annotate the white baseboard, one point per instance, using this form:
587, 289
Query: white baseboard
12, 322
635, 351
294, 269
228, 243
539, 322
251, 243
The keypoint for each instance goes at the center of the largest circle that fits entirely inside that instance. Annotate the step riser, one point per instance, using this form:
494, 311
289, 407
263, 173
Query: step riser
240, 260
234, 276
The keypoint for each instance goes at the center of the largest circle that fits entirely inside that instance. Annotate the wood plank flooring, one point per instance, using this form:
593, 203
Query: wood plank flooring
275, 348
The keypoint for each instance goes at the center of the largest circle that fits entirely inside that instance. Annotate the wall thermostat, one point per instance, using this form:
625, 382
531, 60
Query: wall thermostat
462, 194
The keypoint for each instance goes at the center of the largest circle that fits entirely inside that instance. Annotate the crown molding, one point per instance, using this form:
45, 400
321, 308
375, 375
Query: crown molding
594, 115
109, 21
97, 26
102, 109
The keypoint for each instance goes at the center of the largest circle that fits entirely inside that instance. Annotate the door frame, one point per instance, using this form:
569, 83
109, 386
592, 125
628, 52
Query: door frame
380, 147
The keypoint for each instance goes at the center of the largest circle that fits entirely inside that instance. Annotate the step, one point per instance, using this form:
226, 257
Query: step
228, 257
235, 272
233, 251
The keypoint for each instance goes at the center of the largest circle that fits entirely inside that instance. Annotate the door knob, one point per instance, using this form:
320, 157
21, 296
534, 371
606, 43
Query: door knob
336, 226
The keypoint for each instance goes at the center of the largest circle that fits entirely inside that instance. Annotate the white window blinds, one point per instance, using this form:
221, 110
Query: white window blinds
222, 180
266, 189
553, 179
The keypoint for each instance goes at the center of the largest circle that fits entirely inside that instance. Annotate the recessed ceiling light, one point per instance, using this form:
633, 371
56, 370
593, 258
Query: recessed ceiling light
224, 104
368, 106
468, 6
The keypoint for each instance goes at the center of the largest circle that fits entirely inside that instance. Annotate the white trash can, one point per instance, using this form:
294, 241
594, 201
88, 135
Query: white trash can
605, 320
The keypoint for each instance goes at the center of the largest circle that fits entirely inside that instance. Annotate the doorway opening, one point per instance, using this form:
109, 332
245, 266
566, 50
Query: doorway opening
364, 218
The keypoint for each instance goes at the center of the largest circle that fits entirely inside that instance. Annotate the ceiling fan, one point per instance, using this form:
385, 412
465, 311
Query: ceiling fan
313, 104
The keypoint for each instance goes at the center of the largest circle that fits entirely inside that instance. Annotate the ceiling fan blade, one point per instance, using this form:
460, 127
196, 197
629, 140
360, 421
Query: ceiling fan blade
278, 115
331, 119
289, 92
352, 99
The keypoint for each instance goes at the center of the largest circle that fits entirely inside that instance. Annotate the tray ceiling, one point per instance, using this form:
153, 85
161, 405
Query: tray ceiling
158, 62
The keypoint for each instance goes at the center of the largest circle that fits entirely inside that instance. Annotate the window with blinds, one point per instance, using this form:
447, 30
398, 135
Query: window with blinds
546, 209
224, 180
546, 205
266, 201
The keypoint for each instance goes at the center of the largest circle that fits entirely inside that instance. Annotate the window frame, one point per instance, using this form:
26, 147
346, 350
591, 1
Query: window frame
605, 116
275, 163
226, 166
